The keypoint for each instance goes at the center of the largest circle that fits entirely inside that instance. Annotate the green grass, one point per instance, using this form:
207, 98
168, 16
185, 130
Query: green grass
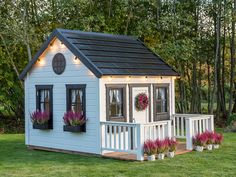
16, 160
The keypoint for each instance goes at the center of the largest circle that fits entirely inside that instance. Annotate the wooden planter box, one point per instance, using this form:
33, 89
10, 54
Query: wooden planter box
42, 126
68, 128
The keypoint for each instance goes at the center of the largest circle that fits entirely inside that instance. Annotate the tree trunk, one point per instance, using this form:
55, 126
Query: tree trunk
232, 68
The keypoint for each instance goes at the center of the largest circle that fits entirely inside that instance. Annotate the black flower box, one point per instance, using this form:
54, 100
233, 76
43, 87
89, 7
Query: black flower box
78, 128
42, 126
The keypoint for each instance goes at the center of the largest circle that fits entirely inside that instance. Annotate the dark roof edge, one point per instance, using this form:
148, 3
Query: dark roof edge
177, 73
71, 47
99, 34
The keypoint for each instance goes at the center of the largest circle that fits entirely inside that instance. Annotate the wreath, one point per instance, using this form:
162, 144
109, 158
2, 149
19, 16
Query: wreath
141, 102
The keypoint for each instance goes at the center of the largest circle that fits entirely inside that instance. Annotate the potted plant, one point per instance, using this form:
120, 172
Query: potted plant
210, 139
199, 141
40, 120
161, 148
172, 145
149, 148
74, 122
218, 138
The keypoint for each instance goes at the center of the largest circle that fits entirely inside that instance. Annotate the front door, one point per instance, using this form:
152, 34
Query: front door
139, 116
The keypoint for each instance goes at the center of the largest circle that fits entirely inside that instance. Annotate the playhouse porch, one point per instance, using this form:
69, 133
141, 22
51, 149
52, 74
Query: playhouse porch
125, 140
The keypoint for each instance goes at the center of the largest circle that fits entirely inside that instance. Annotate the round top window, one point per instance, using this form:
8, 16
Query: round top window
58, 63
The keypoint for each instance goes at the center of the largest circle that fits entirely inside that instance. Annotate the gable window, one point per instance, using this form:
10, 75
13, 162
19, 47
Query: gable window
116, 102
44, 100
76, 98
161, 102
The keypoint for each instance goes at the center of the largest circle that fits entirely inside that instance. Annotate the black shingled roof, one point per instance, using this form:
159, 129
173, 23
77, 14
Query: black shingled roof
106, 54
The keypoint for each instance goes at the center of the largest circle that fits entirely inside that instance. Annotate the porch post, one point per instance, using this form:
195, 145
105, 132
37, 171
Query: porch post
212, 123
140, 142
169, 135
189, 133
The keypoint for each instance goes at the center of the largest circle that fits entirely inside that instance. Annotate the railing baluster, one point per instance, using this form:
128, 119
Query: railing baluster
124, 137
115, 136
203, 125
110, 135
200, 126
207, 127
105, 135
129, 139
177, 126
158, 129
119, 136
182, 126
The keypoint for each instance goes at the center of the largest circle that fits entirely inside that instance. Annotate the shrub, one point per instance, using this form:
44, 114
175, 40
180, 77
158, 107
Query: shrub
74, 118
172, 144
38, 117
161, 146
231, 119
149, 147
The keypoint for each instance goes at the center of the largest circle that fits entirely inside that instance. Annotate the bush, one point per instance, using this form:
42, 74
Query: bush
231, 119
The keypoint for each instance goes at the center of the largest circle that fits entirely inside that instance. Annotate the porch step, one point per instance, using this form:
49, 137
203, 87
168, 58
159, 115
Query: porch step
181, 149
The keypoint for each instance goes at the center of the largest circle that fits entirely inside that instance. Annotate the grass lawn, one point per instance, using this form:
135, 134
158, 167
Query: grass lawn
16, 160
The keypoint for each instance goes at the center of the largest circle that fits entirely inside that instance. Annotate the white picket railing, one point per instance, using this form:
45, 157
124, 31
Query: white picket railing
188, 125
130, 137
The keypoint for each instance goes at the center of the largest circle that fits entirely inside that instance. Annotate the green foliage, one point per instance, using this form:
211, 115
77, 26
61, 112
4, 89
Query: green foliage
181, 32
232, 118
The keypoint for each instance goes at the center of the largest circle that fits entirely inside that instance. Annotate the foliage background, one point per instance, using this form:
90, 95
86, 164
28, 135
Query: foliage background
196, 37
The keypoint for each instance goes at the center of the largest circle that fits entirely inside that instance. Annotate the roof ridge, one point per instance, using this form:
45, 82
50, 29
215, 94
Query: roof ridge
98, 34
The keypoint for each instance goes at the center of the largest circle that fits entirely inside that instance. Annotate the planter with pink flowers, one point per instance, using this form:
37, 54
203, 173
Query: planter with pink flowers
172, 146
41, 120
161, 148
149, 148
199, 141
74, 122
218, 138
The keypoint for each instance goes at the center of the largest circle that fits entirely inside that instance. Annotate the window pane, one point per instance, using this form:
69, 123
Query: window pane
44, 97
161, 100
76, 103
116, 102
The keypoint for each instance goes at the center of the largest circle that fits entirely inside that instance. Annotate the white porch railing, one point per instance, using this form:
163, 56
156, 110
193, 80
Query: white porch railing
188, 125
130, 137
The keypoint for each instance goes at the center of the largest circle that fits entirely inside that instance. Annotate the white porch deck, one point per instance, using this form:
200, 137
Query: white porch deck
125, 140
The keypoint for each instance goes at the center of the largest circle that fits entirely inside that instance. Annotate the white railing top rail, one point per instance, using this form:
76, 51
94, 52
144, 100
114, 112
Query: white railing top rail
118, 123
192, 115
163, 122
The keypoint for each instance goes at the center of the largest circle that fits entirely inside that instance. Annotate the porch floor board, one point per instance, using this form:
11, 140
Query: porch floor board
181, 149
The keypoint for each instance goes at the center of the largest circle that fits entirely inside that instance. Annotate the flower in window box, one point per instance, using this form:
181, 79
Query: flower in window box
141, 102
74, 122
40, 119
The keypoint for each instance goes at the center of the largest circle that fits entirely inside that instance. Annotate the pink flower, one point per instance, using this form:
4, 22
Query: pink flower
73, 118
149, 147
38, 117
